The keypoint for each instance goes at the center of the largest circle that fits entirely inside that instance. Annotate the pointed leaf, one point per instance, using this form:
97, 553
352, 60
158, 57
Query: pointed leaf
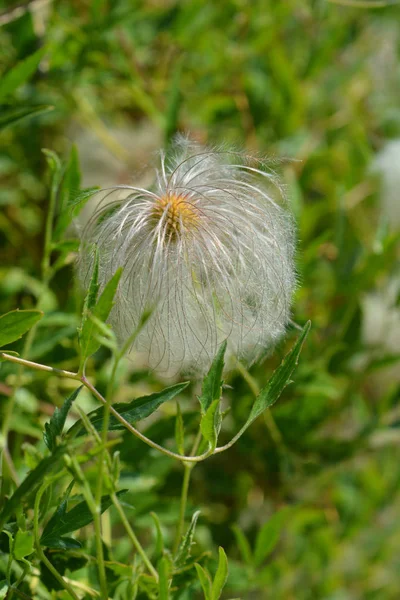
159, 549
69, 188
9, 116
89, 344
220, 576
185, 548
212, 383
14, 324
279, 380
23, 71
131, 411
30, 483
243, 544
55, 426
91, 296
205, 581
268, 536
66, 522
210, 425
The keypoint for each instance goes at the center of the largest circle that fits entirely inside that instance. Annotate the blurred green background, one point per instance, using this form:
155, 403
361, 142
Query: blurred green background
314, 83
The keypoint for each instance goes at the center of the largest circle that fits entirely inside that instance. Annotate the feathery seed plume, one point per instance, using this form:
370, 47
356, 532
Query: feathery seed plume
209, 250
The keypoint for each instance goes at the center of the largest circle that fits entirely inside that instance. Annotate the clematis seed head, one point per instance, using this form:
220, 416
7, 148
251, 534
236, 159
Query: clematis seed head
208, 250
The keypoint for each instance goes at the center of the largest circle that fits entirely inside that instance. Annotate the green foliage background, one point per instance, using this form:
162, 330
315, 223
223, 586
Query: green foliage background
313, 82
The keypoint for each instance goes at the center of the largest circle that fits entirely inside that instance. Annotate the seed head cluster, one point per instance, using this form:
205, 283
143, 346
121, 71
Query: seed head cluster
208, 250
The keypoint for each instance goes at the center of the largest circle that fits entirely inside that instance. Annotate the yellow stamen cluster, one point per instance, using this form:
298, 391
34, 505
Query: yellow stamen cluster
179, 214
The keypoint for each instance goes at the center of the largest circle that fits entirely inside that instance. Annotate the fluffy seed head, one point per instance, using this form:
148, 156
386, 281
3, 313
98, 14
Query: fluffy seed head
208, 250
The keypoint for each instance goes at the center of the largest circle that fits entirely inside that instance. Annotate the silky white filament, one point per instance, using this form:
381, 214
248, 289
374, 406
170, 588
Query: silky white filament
209, 251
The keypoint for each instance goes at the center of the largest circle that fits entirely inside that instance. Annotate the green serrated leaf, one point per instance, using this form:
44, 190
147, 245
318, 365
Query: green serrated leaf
11, 115
184, 549
131, 411
14, 324
179, 431
220, 576
55, 426
243, 544
164, 569
20, 73
268, 536
212, 383
30, 483
205, 581
210, 424
63, 522
23, 544
102, 309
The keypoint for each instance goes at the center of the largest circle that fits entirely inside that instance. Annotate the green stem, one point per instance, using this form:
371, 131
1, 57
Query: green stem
38, 547
120, 418
132, 536
95, 509
187, 469
184, 494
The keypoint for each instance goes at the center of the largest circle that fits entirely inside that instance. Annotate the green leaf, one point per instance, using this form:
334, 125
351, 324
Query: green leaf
11, 115
185, 548
205, 581
3, 589
220, 576
23, 544
69, 188
63, 522
243, 544
164, 574
210, 425
280, 378
131, 411
14, 324
30, 483
159, 549
20, 73
268, 536
179, 431
212, 383
91, 296
55, 426
89, 344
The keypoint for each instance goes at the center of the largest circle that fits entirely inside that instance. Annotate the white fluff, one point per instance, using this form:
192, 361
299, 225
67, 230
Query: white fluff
208, 250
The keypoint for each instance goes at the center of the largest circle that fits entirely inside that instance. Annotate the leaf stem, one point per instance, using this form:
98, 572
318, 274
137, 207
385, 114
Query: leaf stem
83, 379
132, 536
95, 509
184, 494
